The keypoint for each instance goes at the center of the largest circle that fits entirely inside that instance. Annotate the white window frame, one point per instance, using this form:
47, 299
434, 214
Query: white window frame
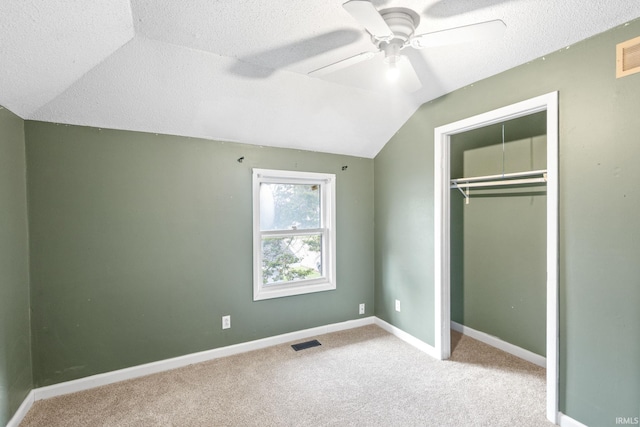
327, 184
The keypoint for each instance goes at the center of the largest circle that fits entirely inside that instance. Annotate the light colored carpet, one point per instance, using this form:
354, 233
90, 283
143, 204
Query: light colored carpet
359, 377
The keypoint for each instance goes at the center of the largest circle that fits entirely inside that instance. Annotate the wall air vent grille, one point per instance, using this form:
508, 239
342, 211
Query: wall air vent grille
628, 57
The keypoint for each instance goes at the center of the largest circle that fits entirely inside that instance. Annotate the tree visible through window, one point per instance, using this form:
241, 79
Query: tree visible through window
293, 233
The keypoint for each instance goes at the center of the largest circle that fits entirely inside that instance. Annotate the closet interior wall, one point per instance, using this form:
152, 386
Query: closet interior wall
498, 240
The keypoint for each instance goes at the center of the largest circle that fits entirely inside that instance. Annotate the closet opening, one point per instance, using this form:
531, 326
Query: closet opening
496, 233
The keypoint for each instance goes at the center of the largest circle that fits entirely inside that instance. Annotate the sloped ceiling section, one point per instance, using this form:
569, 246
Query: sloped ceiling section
46, 46
237, 70
159, 87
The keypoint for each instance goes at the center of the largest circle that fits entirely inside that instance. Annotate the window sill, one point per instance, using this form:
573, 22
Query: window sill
291, 289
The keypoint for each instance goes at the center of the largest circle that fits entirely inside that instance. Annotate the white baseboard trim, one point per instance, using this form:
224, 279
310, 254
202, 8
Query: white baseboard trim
203, 356
496, 342
406, 337
189, 359
567, 421
22, 410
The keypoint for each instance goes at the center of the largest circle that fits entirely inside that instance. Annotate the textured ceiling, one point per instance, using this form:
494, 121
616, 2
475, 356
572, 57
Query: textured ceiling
237, 70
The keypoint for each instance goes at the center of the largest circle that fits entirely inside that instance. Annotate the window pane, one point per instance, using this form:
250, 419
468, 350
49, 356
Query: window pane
289, 206
287, 259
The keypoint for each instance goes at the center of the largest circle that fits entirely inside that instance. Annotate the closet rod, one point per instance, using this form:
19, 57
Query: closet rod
466, 184
541, 172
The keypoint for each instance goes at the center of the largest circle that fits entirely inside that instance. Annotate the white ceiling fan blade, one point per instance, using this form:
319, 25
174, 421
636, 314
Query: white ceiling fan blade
367, 15
481, 31
408, 78
343, 63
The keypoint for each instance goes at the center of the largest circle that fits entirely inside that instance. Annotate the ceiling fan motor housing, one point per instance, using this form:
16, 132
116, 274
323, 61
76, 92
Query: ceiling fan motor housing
402, 23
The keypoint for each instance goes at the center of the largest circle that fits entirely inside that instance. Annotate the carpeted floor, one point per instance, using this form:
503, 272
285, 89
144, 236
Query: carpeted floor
358, 377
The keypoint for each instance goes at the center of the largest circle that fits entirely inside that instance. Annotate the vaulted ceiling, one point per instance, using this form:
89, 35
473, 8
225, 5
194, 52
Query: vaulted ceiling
237, 70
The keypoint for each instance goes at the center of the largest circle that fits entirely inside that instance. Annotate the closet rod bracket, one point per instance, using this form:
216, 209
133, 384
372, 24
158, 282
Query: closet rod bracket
465, 194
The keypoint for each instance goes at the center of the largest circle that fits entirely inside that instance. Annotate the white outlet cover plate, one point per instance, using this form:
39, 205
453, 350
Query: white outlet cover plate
226, 322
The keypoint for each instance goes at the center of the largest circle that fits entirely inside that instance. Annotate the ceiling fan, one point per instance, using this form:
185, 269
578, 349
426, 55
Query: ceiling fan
392, 30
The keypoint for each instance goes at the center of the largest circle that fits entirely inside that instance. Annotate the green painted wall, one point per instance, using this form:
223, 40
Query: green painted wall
15, 342
498, 240
140, 243
599, 221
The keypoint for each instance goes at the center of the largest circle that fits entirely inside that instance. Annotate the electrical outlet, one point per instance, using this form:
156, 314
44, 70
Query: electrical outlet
226, 322
361, 309
397, 305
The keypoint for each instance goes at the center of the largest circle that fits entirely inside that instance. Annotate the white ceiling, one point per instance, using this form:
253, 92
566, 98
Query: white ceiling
236, 70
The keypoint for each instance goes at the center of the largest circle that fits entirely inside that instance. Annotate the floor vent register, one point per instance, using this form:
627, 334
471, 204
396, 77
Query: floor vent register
305, 345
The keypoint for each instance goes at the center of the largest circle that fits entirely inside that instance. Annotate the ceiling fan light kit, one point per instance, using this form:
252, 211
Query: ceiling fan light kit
393, 72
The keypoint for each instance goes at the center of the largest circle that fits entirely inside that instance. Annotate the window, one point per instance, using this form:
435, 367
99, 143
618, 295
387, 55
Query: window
293, 233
